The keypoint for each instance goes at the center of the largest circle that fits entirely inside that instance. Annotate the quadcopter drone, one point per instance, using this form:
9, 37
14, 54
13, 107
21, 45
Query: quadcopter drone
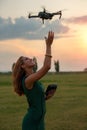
44, 15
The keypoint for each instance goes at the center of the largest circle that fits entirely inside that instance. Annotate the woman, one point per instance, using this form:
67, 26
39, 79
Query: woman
26, 82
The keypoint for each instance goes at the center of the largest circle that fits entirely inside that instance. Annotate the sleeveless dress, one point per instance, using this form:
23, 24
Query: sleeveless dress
34, 118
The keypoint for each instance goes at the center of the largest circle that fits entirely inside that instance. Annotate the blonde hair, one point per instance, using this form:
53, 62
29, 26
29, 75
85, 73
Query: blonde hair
17, 74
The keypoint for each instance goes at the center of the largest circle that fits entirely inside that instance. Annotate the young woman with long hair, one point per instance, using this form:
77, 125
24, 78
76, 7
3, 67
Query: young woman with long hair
27, 83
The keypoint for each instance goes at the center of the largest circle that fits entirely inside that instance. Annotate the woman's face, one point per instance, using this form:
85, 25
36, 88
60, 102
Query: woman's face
28, 62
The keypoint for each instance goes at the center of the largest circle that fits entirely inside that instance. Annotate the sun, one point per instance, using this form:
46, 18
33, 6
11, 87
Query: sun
83, 35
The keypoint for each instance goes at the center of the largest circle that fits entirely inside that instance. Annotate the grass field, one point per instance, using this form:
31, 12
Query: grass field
67, 110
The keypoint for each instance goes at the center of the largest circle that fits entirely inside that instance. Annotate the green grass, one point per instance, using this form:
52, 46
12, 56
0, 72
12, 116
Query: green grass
67, 110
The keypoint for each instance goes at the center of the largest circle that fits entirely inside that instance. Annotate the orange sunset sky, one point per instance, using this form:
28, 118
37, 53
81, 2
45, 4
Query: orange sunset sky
22, 36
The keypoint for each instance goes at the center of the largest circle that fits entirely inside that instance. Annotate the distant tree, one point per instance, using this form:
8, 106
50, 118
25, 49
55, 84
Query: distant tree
13, 66
85, 69
56, 64
36, 65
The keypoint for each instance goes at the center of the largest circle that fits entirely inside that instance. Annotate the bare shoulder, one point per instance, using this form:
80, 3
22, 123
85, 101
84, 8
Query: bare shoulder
34, 77
28, 83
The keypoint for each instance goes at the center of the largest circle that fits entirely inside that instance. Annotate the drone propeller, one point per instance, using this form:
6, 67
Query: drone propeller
64, 9
29, 15
60, 12
44, 9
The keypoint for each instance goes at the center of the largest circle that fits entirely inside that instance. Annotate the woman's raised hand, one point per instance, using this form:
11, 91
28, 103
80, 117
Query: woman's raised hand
49, 39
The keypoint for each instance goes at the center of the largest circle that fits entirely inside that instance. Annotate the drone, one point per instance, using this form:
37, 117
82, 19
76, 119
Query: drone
44, 15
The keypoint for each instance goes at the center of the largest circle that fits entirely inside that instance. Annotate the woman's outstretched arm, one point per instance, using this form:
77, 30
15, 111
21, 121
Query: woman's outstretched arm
47, 62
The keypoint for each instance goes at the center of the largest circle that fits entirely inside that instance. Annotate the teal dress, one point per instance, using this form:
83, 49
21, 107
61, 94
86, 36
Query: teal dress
34, 118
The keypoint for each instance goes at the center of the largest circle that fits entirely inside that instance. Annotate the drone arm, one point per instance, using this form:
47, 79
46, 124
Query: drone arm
33, 16
58, 13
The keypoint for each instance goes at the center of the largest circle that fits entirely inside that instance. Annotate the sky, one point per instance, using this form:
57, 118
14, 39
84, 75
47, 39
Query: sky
20, 36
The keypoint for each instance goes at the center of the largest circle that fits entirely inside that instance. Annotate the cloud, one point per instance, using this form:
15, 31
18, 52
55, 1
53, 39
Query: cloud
22, 28
77, 20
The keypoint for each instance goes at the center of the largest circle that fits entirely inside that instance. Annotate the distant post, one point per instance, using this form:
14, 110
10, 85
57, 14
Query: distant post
36, 65
56, 64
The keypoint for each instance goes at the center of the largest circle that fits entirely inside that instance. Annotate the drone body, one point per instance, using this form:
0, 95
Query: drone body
44, 15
